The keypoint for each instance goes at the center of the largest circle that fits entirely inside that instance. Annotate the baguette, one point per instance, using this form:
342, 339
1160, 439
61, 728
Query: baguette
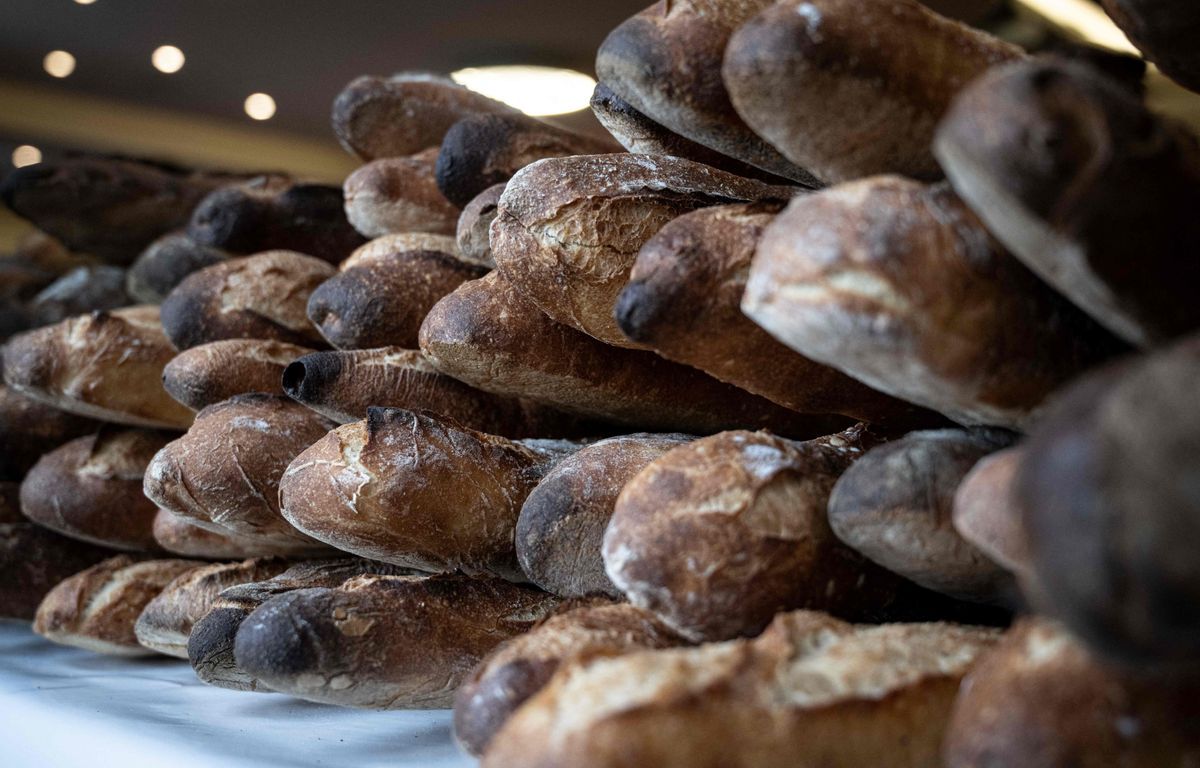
473, 236
91, 489
417, 490
83, 289
167, 620
487, 149
381, 294
224, 474
899, 285
96, 609
403, 114
1073, 174
486, 335
384, 642
568, 229
399, 194
666, 62
519, 668
106, 366
1165, 31
560, 531
867, 82
29, 428
216, 371
165, 263
986, 514
811, 691
179, 536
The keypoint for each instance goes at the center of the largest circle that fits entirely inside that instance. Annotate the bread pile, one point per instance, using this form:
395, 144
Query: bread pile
738, 448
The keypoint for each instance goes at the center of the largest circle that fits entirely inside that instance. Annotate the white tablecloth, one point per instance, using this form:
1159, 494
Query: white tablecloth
64, 707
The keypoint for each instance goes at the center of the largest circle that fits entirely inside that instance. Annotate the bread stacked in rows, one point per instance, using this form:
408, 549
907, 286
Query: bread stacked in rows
738, 448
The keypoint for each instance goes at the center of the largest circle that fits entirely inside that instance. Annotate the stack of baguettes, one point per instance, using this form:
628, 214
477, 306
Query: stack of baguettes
735, 449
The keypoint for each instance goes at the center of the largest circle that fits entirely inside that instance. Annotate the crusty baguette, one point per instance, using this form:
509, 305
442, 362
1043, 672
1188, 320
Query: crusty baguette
473, 235
97, 608
403, 114
216, 371
1039, 699
84, 289
417, 490
165, 263
179, 536
486, 149
490, 337
91, 489
381, 294
986, 513
717, 536
210, 644
106, 366
866, 82
1073, 173
811, 692
33, 559
569, 228
107, 206
894, 507
224, 474
30, 428
384, 642
561, 528
399, 194
666, 62
165, 623
899, 285
273, 213
254, 297
1165, 31
683, 300
519, 668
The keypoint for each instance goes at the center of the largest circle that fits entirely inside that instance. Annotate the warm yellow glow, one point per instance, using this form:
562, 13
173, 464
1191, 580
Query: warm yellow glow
58, 63
85, 2
167, 59
26, 155
1085, 19
260, 106
533, 90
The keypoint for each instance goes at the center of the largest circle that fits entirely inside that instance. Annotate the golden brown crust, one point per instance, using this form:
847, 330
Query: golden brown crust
106, 365
179, 536
986, 512
216, 371
30, 428
399, 194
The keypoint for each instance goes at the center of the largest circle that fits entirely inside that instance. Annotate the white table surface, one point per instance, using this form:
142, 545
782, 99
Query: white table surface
65, 707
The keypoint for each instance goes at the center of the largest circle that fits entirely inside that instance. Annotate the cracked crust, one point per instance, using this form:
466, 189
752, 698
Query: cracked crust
399, 194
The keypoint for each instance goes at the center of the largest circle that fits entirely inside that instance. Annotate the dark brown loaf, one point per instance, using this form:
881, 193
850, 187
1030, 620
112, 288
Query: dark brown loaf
273, 213
256, 297
811, 692
91, 489
96, 609
30, 428
106, 366
1074, 174
894, 506
417, 490
666, 62
165, 263
216, 371
179, 536
719, 535
384, 642
1165, 31
382, 293
866, 82
569, 228
167, 620
473, 235
519, 668
83, 289
403, 114
224, 474
488, 336
398, 194
561, 528
482, 150
210, 645
899, 285
683, 300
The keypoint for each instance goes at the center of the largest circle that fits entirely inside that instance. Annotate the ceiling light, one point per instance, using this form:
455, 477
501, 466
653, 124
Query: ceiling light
167, 59
1086, 20
533, 90
85, 2
260, 106
26, 155
58, 63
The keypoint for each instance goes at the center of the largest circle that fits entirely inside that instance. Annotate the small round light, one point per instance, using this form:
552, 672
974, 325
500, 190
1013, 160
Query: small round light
26, 155
85, 2
58, 63
533, 90
167, 59
260, 106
